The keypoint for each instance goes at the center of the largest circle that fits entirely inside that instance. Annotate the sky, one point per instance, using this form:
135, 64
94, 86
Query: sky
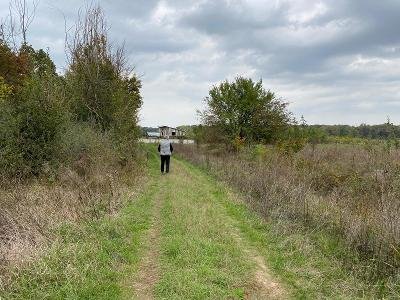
334, 61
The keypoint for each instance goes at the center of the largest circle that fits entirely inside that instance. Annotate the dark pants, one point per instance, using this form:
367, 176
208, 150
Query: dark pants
165, 161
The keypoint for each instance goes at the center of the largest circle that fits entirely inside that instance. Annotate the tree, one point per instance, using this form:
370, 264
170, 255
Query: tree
13, 66
31, 124
101, 83
105, 91
244, 111
38, 61
25, 14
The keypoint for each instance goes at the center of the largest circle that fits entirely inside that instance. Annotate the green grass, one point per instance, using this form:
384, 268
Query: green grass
86, 261
312, 263
204, 234
90, 260
200, 258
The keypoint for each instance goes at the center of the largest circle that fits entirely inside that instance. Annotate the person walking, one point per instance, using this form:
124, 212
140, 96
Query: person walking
165, 149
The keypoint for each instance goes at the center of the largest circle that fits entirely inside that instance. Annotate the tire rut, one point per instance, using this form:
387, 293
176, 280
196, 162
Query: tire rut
149, 272
262, 285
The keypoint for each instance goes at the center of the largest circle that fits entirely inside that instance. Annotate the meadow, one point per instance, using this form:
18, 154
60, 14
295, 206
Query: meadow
258, 204
350, 191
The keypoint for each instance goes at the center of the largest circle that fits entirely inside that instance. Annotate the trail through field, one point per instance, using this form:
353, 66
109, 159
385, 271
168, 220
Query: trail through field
186, 235
193, 248
148, 273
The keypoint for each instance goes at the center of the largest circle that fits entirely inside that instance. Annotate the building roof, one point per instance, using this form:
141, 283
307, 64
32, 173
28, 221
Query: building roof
168, 127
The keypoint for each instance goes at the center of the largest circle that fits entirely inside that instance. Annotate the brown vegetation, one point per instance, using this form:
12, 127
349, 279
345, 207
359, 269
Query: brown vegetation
67, 142
347, 189
32, 212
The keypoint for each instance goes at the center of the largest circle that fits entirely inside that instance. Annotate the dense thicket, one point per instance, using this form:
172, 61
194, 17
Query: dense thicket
39, 108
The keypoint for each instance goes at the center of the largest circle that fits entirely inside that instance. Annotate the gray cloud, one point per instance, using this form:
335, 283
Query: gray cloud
335, 61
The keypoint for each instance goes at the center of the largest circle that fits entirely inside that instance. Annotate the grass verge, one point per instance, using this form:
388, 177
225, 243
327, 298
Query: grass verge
312, 263
91, 260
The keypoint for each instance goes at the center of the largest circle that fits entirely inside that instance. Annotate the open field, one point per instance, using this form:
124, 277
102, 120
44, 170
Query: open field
282, 120
349, 191
190, 236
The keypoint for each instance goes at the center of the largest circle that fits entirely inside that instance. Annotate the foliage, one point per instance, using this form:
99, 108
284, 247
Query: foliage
198, 133
296, 137
37, 105
5, 90
55, 166
381, 131
145, 130
315, 136
38, 61
104, 91
13, 66
100, 83
244, 110
127, 101
292, 140
32, 114
32, 122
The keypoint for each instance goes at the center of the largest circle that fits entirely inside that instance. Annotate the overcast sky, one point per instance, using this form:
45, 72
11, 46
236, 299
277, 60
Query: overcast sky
335, 61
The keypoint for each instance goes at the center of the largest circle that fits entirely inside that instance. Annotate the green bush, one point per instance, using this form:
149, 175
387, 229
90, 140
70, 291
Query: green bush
243, 111
9, 158
292, 140
92, 110
32, 121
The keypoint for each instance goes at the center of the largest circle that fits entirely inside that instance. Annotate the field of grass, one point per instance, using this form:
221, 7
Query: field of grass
344, 197
189, 236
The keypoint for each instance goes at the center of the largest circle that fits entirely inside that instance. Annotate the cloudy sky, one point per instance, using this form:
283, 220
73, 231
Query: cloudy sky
335, 61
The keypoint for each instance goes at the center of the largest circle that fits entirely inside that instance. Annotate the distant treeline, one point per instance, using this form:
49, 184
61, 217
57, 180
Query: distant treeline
146, 130
380, 131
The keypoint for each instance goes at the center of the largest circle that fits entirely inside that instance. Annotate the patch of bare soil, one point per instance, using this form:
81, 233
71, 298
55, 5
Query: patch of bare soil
262, 285
149, 272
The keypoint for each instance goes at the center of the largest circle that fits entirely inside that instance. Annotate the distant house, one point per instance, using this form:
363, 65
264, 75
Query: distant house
166, 131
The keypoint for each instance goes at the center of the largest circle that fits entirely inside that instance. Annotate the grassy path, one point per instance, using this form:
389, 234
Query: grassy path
193, 249
175, 241
185, 237
148, 271
203, 253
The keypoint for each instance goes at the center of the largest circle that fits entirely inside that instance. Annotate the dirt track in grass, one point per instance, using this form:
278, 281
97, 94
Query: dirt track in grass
193, 249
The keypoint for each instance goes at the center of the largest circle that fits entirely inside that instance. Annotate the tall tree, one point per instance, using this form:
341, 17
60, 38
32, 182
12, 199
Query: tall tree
25, 13
98, 75
244, 110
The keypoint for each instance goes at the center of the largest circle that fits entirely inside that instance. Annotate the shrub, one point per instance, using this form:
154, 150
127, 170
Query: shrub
103, 88
83, 148
32, 122
292, 140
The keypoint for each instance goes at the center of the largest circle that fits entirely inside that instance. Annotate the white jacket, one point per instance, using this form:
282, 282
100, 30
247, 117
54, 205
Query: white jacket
165, 147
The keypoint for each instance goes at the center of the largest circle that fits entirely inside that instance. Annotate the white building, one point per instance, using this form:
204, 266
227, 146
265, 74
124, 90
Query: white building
166, 131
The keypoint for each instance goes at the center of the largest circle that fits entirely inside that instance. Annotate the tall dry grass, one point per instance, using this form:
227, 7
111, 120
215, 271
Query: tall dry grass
351, 190
89, 184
